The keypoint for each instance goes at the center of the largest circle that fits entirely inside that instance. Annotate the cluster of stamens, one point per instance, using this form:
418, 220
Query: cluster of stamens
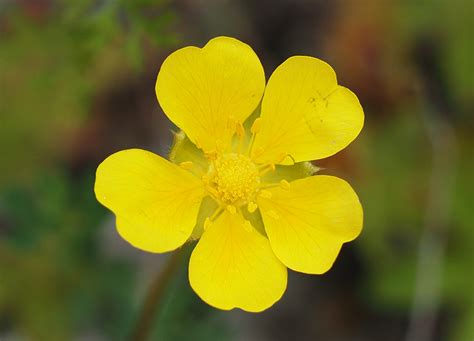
233, 179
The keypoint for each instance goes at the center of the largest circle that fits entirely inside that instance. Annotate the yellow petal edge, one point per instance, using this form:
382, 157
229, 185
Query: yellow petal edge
305, 113
233, 266
155, 201
308, 223
204, 91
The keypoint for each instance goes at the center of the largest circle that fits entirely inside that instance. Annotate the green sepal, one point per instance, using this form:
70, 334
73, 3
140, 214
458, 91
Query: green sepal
183, 150
208, 207
289, 173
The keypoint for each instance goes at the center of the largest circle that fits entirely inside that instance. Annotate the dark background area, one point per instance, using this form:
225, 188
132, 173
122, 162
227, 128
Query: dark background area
77, 84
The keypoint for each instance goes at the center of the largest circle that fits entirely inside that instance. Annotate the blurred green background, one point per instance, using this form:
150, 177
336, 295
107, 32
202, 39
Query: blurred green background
77, 84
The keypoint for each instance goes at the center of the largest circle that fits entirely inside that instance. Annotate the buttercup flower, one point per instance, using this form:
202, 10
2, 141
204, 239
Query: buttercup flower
239, 184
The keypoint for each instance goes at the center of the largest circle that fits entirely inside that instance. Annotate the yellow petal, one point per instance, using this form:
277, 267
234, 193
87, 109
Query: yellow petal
305, 114
233, 266
308, 223
156, 202
204, 91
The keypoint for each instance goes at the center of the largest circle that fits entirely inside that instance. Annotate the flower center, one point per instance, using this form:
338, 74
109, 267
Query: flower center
233, 178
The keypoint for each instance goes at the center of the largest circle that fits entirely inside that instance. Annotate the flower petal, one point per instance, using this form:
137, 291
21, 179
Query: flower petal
305, 114
308, 223
234, 266
155, 201
203, 90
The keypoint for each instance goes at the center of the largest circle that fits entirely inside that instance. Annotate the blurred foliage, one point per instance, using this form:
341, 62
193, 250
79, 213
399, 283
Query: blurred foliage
55, 56
394, 190
55, 286
394, 196
197, 321
398, 161
450, 23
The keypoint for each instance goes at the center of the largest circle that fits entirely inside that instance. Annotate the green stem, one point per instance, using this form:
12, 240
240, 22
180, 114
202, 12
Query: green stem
155, 296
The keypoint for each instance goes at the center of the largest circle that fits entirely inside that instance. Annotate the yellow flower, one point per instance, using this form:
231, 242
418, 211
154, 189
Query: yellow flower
240, 184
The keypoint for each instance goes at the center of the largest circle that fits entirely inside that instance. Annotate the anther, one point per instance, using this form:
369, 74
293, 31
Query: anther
267, 168
239, 130
247, 226
231, 209
265, 194
207, 223
286, 159
213, 191
251, 207
257, 124
187, 165
211, 155
254, 130
284, 184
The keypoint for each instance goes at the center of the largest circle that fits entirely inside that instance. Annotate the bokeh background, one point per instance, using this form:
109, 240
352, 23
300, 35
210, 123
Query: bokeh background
77, 84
